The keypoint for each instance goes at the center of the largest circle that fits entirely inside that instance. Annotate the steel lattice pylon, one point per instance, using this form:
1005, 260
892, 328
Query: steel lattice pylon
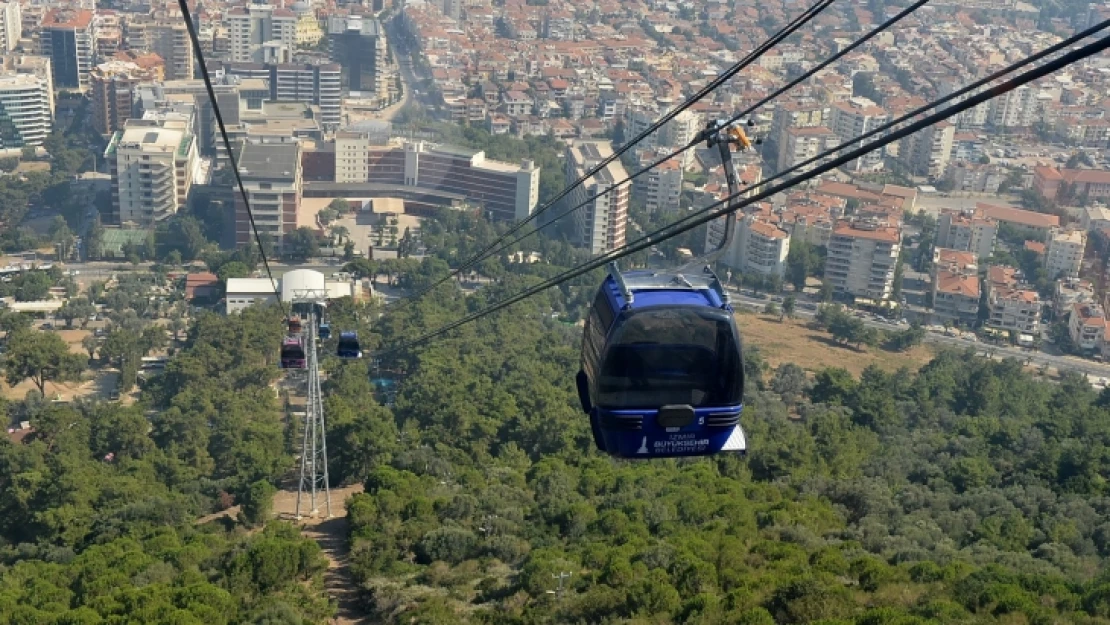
314, 449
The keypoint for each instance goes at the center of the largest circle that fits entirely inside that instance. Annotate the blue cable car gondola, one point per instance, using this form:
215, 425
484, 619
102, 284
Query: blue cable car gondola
292, 353
348, 348
662, 369
325, 331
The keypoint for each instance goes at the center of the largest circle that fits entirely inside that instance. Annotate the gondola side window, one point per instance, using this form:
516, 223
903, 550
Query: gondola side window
659, 357
597, 327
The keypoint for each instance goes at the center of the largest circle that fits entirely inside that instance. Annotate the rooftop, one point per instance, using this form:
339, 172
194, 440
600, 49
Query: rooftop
1019, 216
269, 160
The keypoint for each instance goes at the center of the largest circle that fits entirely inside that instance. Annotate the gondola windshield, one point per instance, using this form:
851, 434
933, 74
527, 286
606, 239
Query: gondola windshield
672, 356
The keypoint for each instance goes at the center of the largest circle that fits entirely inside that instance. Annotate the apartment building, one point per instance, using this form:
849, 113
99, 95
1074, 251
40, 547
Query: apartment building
803, 143
1064, 253
955, 297
153, 166
851, 119
1087, 326
976, 177
808, 222
1013, 109
271, 175
967, 231
759, 246
798, 114
352, 157
1014, 309
1072, 291
954, 261
927, 151
309, 32
862, 255
261, 33
26, 109
11, 26
600, 224
1095, 218
68, 37
661, 188
504, 192
166, 37
679, 132
112, 91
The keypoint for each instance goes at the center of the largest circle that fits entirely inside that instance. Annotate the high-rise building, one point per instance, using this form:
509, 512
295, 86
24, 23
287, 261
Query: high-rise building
68, 37
679, 132
271, 174
862, 255
26, 113
358, 44
11, 26
153, 166
927, 151
260, 33
1014, 109
318, 84
661, 188
34, 65
600, 224
851, 119
113, 84
168, 38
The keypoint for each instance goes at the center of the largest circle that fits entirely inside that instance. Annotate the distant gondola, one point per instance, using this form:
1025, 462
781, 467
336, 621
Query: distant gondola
292, 353
349, 348
294, 325
325, 331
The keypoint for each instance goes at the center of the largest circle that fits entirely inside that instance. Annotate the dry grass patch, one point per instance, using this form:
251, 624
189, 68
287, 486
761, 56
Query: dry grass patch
793, 340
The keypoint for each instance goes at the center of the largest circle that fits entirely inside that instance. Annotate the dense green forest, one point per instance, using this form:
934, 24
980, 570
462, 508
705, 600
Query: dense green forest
965, 493
97, 505
968, 492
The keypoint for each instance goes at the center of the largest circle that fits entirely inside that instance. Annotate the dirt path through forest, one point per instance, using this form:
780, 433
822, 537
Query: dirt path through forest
331, 535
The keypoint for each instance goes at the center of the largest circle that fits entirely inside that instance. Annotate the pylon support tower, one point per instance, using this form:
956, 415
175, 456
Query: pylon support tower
314, 447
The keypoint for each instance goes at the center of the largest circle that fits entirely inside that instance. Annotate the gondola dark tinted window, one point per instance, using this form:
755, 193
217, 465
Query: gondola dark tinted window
666, 356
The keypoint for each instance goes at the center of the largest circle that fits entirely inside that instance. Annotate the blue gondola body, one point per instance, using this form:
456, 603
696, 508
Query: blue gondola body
325, 331
292, 353
348, 348
662, 370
